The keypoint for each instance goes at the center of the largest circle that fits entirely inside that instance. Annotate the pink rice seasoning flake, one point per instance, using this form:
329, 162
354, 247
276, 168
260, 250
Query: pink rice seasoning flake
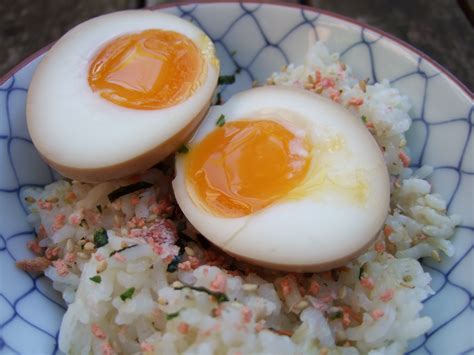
185, 266
387, 295
183, 328
70, 258
34, 246
404, 158
314, 288
327, 83
99, 257
163, 207
246, 314
194, 261
335, 96
285, 286
75, 218
52, 252
44, 205
119, 257
107, 349
59, 221
219, 283
346, 319
70, 197
61, 267
134, 200
97, 331
377, 313
379, 247
41, 232
355, 101
367, 282
147, 347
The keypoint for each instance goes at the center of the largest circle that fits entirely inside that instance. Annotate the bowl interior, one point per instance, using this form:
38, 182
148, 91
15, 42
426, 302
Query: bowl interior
258, 39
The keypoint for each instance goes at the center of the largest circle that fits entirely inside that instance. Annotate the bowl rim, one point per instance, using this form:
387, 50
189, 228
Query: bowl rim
4, 78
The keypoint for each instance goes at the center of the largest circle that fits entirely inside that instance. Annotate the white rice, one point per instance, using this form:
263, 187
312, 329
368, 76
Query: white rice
370, 306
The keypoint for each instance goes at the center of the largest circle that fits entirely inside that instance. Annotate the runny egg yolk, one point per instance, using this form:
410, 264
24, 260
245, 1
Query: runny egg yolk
153, 69
246, 165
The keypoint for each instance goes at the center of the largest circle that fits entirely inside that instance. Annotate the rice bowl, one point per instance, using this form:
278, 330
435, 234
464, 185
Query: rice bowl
153, 285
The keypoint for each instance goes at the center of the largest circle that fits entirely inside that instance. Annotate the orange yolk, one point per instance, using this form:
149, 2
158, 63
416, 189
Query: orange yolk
150, 70
244, 166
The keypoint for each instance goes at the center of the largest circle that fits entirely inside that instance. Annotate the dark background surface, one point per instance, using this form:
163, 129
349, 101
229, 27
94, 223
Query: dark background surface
440, 28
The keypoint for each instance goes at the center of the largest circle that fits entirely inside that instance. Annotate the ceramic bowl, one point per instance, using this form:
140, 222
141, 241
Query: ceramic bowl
265, 37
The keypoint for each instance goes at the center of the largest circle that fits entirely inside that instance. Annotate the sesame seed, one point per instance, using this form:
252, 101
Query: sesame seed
89, 246
342, 292
162, 301
83, 255
81, 242
69, 246
435, 255
189, 251
101, 266
151, 217
301, 305
249, 287
177, 284
123, 244
30, 199
52, 199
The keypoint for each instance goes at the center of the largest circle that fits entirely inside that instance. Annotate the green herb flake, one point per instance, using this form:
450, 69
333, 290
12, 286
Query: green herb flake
183, 149
180, 226
335, 315
361, 271
97, 279
218, 99
364, 119
220, 121
127, 294
233, 53
128, 189
218, 296
238, 70
226, 80
173, 265
171, 316
83, 223
100, 238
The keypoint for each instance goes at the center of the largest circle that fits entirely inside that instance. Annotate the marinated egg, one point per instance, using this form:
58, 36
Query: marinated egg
120, 92
284, 178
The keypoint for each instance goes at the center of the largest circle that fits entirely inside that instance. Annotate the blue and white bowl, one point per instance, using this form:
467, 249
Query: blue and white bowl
265, 37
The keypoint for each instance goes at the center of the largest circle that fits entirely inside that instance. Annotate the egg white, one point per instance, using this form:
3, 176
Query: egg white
320, 229
87, 137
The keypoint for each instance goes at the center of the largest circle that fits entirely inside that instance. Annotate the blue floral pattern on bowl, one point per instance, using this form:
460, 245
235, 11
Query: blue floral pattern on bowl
259, 39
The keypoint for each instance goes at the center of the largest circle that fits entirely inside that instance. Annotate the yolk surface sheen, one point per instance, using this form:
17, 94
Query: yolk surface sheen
244, 166
150, 70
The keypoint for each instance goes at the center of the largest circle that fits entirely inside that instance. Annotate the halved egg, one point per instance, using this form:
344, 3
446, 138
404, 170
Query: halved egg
120, 92
284, 178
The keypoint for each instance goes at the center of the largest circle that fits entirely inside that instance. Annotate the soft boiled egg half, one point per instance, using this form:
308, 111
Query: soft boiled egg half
120, 92
284, 178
